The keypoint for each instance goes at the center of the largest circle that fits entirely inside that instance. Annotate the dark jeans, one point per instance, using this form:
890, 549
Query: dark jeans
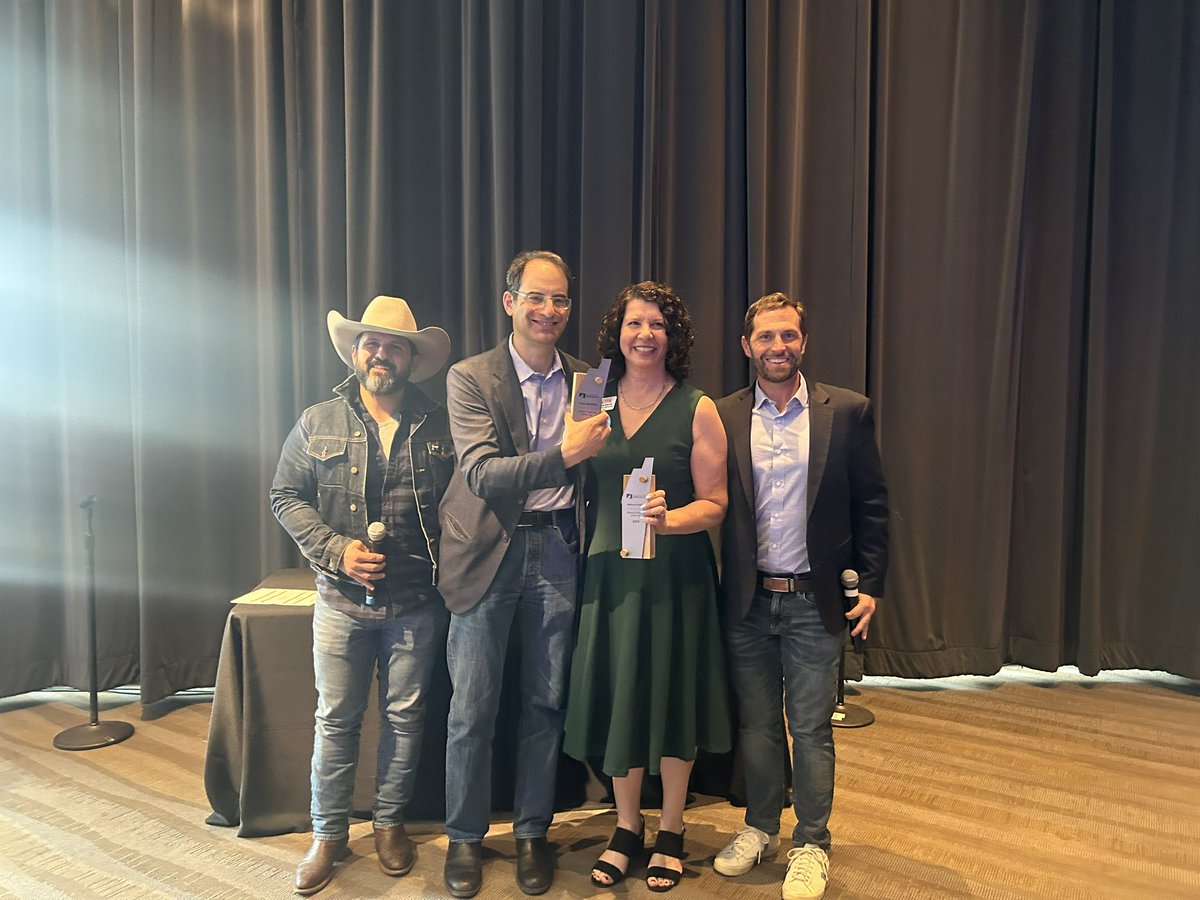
781, 644
534, 590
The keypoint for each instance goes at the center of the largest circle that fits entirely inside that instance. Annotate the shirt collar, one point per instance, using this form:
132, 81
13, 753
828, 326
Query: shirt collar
524, 372
800, 397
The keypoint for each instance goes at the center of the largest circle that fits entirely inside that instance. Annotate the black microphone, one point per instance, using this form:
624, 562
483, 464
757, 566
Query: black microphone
850, 591
847, 715
376, 532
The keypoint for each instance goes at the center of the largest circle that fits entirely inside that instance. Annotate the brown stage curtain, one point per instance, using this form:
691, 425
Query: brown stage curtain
991, 210
1031, 298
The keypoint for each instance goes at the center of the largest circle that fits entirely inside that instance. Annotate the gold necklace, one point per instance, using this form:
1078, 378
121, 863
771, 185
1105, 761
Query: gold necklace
621, 391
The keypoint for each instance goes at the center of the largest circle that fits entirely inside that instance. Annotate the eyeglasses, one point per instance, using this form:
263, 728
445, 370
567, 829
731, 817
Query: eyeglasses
539, 300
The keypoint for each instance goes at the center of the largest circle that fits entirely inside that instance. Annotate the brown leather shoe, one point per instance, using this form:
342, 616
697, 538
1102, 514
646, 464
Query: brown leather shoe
397, 852
316, 869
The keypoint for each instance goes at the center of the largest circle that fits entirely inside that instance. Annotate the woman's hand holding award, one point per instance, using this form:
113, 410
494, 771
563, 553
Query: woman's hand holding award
637, 537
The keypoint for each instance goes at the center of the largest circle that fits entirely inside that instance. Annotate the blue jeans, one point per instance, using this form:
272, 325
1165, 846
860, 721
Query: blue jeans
534, 589
782, 643
345, 652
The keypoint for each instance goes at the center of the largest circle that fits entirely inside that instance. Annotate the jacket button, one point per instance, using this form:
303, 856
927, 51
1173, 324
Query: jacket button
358, 434
354, 470
353, 507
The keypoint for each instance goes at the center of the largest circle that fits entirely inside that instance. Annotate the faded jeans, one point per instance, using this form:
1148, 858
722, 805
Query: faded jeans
346, 651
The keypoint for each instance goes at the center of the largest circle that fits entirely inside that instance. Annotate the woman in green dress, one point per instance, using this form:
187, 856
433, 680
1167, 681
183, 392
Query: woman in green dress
648, 678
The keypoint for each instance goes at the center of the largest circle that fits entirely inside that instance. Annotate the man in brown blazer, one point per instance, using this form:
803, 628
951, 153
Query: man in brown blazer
511, 521
806, 501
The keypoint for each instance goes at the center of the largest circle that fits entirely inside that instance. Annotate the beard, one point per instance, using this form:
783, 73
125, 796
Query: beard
377, 382
777, 375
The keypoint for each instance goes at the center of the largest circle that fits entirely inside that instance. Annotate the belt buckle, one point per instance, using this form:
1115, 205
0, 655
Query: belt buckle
779, 585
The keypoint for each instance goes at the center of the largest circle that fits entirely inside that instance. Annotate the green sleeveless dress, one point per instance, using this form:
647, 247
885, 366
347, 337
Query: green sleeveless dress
648, 671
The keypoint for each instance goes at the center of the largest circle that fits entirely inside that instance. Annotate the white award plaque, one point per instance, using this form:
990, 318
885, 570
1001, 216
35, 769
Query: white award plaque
637, 537
587, 391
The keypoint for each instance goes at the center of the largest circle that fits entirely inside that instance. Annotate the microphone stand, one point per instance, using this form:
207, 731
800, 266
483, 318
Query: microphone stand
848, 715
95, 733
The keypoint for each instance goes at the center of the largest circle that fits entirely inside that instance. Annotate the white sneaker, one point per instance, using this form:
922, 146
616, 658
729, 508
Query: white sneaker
808, 871
745, 851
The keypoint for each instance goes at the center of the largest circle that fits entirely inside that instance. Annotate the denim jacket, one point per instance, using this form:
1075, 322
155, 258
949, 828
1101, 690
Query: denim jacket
319, 490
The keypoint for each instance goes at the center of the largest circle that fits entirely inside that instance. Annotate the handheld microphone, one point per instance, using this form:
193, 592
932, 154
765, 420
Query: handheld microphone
376, 532
847, 715
850, 591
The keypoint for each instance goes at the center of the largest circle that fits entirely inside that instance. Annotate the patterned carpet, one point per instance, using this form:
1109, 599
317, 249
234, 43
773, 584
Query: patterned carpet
1021, 785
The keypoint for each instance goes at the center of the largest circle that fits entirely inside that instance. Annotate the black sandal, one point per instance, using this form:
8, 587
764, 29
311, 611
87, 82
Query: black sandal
623, 841
668, 843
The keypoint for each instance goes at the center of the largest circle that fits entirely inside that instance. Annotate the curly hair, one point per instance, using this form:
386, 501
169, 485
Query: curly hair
680, 333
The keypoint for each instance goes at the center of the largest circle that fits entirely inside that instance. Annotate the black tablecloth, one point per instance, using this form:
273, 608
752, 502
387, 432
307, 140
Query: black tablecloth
260, 738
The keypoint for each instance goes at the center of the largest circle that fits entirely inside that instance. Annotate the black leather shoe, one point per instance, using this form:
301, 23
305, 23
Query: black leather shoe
535, 865
316, 869
464, 869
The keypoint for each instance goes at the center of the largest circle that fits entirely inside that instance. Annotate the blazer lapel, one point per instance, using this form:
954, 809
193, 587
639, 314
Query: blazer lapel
820, 432
741, 443
508, 392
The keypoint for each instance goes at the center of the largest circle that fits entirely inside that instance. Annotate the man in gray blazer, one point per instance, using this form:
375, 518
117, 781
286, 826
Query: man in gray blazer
806, 501
511, 523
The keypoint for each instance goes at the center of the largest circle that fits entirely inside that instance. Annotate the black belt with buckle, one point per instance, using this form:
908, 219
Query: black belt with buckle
546, 517
786, 584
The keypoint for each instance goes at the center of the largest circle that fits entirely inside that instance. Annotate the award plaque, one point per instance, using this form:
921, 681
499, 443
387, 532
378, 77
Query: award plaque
637, 537
587, 391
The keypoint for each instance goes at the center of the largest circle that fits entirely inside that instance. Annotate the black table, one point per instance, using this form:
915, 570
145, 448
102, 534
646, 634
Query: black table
260, 737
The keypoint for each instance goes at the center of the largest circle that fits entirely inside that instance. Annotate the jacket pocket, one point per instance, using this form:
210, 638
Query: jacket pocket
439, 457
456, 527
326, 448
330, 453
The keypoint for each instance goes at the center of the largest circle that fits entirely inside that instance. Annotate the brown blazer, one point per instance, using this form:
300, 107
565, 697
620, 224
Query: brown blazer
847, 502
495, 473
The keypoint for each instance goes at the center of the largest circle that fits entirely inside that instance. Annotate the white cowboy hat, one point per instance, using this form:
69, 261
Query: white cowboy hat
391, 315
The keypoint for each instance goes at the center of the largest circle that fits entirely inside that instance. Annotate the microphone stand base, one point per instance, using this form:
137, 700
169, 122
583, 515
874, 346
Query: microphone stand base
847, 715
91, 737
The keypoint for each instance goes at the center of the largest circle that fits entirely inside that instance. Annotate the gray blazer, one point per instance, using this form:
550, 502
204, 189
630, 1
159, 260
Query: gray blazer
847, 501
496, 471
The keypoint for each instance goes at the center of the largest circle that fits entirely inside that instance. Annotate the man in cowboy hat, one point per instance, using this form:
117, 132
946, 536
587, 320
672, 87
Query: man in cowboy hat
379, 453
512, 519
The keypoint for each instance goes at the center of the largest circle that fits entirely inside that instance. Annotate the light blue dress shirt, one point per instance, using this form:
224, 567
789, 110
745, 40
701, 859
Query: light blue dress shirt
779, 454
545, 413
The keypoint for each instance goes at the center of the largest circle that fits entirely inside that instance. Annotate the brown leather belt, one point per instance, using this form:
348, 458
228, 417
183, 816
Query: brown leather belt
786, 584
543, 518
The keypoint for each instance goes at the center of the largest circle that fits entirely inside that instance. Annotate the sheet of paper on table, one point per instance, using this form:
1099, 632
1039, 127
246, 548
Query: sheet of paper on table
278, 597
